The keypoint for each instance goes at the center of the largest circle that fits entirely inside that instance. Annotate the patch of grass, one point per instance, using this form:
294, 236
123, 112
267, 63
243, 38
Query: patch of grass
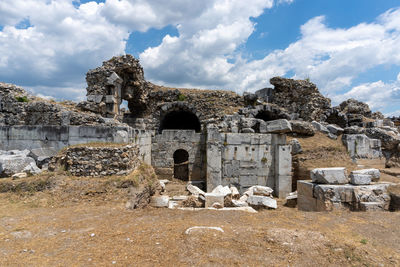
22, 99
364, 241
181, 97
37, 184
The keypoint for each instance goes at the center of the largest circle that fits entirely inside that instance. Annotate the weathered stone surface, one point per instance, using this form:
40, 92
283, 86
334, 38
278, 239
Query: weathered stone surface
360, 179
354, 130
223, 190
329, 175
278, 126
353, 106
299, 96
42, 155
303, 128
239, 203
389, 141
374, 173
98, 161
319, 127
235, 192
159, 201
212, 198
15, 161
194, 190
324, 197
296, 147
261, 190
262, 201
334, 129
360, 146
372, 206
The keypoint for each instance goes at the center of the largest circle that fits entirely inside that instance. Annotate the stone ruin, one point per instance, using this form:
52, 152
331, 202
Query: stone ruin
209, 138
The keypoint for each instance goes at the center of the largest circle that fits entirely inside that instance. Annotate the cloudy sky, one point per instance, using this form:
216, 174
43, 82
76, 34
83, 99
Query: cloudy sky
349, 48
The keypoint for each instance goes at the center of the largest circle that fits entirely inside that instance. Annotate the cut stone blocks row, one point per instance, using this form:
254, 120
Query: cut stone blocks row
339, 176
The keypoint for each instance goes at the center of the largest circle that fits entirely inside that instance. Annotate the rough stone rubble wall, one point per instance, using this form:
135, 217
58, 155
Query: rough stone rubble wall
100, 161
164, 145
57, 137
245, 160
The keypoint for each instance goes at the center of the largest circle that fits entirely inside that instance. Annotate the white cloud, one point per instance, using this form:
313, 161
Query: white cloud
60, 45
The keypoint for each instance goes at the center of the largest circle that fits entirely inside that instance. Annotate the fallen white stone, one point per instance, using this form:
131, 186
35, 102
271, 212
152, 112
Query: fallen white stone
194, 190
261, 190
235, 192
246, 209
32, 169
224, 190
201, 228
360, 179
375, 173
173, 204
19, 175
239, 203
278, 126
179, 198
262, 201
159, 201
243, 198
329, 175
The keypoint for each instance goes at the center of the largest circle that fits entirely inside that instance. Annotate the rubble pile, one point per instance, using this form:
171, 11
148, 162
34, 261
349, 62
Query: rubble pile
222, 197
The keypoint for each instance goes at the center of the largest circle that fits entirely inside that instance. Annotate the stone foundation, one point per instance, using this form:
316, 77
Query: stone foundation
98, 161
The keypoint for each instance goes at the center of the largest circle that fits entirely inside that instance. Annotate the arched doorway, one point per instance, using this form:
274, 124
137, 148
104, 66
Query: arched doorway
180, 120
267, 115
181, 164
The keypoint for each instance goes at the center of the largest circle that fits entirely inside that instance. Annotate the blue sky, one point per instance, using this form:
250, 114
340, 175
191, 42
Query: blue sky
348, 48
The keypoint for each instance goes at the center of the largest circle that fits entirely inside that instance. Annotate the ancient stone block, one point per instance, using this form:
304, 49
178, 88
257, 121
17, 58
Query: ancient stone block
360, 179
374, 173
262, 201
329, 175
278, 126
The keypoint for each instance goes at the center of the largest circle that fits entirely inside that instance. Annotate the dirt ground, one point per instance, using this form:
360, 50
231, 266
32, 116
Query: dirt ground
83, 222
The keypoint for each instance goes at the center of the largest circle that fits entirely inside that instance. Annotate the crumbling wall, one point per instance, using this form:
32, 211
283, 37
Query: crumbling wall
98, 160
17, 107
301, 97
120, 78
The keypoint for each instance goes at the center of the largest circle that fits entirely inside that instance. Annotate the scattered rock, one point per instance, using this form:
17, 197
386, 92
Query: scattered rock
19, 175
194, 190
291, 201
159, 201
360, 179
302, 128
296, 147
223, 190
212, 198
278, 126
202, 229
374, 173
262, 201
235, 192
260, 190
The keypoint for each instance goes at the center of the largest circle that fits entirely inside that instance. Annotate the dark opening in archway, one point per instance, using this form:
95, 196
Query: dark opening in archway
181, 165
180, 120
266, 115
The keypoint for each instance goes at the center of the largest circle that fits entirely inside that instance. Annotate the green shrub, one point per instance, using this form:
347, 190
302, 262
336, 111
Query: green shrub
22, 99
181, 97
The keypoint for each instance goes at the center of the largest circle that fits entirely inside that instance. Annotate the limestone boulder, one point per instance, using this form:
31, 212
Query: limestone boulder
360, 179
334, 129
278, 126
296, 147
15, 161
42, 155
212, 198
374, 173
320, 127
330, 175
303, 128
194, 190
262, 201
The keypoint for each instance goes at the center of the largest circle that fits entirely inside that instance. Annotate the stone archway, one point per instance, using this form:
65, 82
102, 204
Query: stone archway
181, 165
180, 120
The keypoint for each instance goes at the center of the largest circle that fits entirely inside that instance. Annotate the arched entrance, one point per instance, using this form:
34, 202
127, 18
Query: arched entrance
267, 115
180, 120
181, 164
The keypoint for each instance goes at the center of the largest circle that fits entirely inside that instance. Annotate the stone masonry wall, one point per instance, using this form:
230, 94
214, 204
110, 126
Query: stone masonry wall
245, 160
99, 161
58, 137
164, 145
